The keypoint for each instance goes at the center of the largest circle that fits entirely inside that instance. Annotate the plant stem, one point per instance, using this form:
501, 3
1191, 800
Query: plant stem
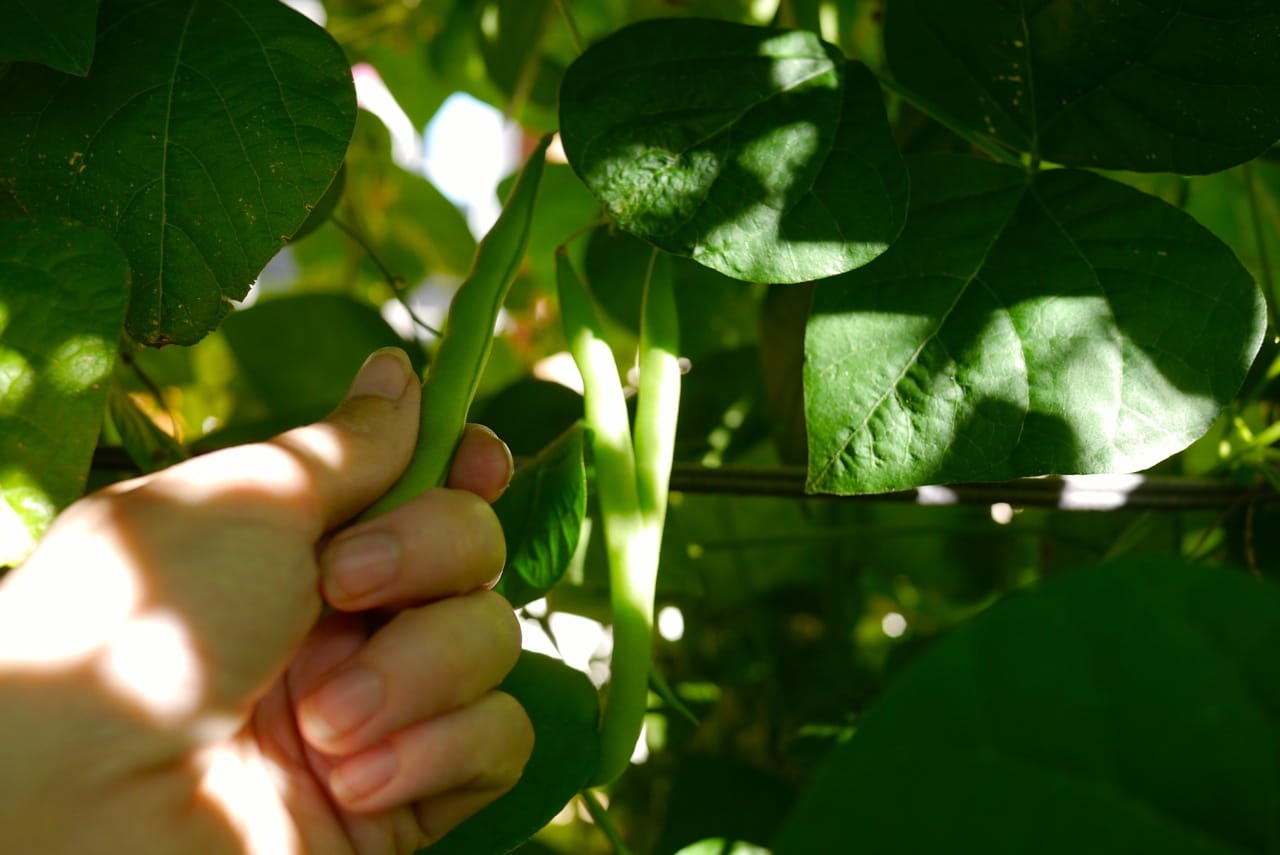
991, 148
601, 818
574, 35
393, 281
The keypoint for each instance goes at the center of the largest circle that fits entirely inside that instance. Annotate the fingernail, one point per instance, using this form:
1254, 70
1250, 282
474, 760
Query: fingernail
342, 704
364, 774
360, 565
511, 461
385, 374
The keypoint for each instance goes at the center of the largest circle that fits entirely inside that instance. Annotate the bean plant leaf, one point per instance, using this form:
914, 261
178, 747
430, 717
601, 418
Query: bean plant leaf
1024, 325
59, 35
149, 447
564, 709
66, 287
1146, 85
1131, 707
541, 514
200, 140
297, 354
759, 153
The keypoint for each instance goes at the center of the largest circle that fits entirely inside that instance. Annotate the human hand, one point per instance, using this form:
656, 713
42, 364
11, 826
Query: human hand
170, 680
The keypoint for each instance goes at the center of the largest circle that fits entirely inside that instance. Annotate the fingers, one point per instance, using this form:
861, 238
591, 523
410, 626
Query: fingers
422, 664
315, 477
451, 765
442, 543
482, 464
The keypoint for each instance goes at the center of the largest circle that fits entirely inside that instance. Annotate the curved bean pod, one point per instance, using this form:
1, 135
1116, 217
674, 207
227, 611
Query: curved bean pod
454, 374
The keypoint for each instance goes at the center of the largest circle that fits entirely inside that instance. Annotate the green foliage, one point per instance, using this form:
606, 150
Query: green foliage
541, 514
185, 143
1048, 724
64, 297
891, 266
777, 166
1061, 324
561, 703
1164, 86
59, 36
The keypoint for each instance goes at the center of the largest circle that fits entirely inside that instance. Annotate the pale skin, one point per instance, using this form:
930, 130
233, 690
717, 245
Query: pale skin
215, 659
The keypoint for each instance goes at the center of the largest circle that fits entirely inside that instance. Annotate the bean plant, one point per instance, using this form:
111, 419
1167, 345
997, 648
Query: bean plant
927, 362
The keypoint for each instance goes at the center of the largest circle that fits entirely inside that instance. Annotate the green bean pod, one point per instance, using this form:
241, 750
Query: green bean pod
454, 373
631, 485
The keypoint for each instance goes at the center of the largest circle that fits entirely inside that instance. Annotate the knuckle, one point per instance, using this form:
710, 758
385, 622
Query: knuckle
502, 618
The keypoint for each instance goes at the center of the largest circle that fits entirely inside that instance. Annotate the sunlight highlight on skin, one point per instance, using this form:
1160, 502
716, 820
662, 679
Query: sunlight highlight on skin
107, 593
152, 661
248, 793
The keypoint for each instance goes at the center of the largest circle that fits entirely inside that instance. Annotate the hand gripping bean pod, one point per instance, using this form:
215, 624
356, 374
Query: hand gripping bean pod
460, 359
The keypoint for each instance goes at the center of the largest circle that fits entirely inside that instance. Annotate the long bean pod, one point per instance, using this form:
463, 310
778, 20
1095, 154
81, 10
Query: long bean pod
454, 374
631, 486
658, 401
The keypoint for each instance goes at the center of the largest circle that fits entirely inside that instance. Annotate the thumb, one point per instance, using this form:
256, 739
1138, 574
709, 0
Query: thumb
358, 451
316, 477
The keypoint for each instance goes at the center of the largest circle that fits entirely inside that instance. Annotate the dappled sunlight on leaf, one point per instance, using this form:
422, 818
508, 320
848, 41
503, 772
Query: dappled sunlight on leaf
1024, 326
80, 363
778, 166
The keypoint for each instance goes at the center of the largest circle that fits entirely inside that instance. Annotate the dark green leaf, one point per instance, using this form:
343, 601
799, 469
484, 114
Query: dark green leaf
1132, 707
1147, 85
541, 514
61, 309
298, 354
323, 209
1060, 323
529, 414
200, 140
563, 707
59, 35
759, 153
716, 797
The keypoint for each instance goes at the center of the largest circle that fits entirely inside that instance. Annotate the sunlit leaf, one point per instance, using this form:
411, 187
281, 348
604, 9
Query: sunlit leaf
1148, 85
200, 140
1060, 323
1132, 707
760, 153
61, 310
59, 35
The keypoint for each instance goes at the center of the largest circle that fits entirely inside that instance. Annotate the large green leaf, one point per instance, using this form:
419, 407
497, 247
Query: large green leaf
541, 514
564, 709
1179, 85
65, 288
1132, 707
1024, 325
200, 139
759, 153
59, 35
298, 354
